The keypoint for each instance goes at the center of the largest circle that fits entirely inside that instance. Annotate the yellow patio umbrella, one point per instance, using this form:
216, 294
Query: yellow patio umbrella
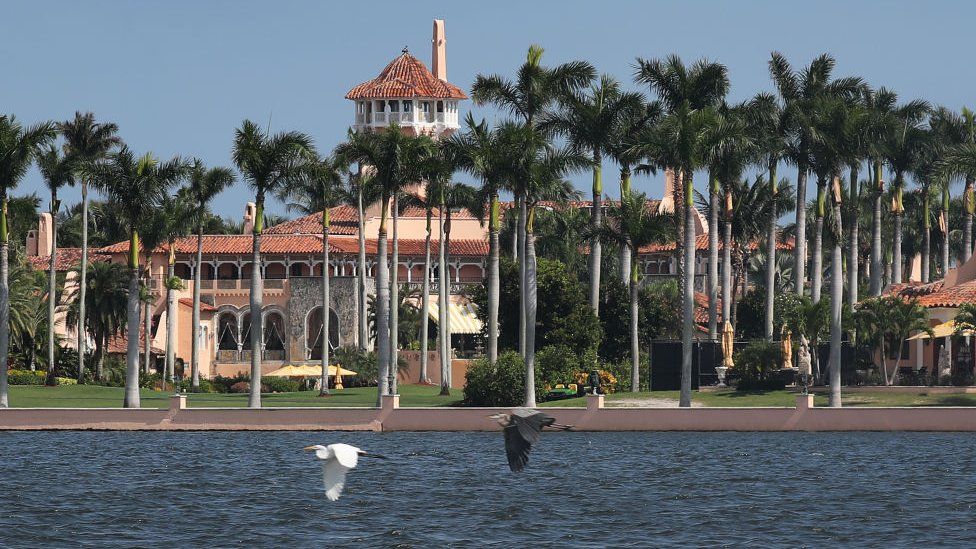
728, 345
945, 329
787, 337
308, 370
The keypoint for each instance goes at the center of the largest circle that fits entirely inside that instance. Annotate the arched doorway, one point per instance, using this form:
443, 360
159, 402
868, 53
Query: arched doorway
227, 337
313, 333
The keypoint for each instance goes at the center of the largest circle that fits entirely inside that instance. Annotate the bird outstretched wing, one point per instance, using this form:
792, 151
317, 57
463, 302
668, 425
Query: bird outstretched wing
334, 478
516, 448
530, 423
346, 454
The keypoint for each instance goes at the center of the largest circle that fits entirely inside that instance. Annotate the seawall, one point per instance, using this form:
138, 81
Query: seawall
391, 417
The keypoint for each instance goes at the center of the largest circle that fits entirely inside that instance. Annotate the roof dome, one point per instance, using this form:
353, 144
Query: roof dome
406, 77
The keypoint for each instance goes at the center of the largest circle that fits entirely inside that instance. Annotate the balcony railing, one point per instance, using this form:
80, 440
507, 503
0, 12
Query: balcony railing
406, 118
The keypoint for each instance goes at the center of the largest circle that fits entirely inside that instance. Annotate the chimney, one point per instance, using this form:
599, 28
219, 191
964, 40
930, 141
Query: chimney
667, 199
250, 212
438, 56
40, 241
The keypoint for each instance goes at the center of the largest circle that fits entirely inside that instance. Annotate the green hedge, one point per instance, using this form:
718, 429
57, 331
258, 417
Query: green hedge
26, 377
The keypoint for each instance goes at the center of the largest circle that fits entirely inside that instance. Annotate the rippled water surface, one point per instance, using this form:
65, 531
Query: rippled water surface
454, 489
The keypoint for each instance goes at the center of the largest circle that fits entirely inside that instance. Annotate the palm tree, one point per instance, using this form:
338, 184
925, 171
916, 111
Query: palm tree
490, 156
268, 163
395, 161
893, 319
591, 121
799, 92
18, 147
879, 105
175, 217
106, 308
135, 187
57, 171
320, 189
204, 185
634, 121
690, 95
529, 96
86, 142
906, 143
633, 225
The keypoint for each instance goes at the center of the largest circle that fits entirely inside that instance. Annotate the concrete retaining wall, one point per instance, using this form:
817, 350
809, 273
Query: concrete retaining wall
804, 417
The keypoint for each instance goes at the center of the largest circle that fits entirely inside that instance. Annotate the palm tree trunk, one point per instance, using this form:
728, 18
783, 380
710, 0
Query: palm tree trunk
853, 260
443, 291
99, 355
816, 255
634, 336
132, 331
326, 302
83, 279
257, 304
969, 205
625, 262
395, 298
4, 299
771, 254
523, 214
944, 226
361, 277
688, 310
447, 316
596, 247
170, 312
52, 289
800, 249
530, 311
896, 262
147, 317
713, 260
382, 304
876, 268
195, 321
926, 239
494, 285
836, 306
425, 306
727, 269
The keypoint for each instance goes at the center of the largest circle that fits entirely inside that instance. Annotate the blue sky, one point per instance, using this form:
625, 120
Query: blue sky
179, 76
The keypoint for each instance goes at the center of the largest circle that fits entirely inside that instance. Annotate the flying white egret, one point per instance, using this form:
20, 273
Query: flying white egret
337, 460
522, 428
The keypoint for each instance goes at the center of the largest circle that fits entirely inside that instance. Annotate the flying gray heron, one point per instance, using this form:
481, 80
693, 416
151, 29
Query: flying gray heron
337, 460
521, 429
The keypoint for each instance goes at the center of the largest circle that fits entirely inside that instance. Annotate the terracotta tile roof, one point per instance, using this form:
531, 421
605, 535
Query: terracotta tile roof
117, 345
344, 220
934, 294
237, 244
204, 307
701, 310
415, 247
67, 259
406, 76
701, 243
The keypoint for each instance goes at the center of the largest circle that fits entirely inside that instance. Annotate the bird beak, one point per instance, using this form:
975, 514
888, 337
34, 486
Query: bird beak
310, 448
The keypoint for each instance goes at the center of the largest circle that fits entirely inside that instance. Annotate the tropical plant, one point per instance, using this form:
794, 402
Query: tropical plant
890, 319
906, 144
321, 188
204, 184
18, 147
86, 142
690, 95
135, 186
58, 171
634, 225
107, 296
268, 163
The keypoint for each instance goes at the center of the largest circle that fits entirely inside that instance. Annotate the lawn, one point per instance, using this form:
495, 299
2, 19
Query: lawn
731, 398
94, 396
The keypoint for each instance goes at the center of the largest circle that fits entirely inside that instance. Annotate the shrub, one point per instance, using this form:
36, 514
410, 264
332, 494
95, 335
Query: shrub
500, 385
25, 377
758, 365
65, 381
608, 381
363, 363
241, 387
559, 364
274, 384
206, 386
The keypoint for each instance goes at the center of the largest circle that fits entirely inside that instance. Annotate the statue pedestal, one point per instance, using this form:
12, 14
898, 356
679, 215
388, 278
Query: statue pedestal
720, 371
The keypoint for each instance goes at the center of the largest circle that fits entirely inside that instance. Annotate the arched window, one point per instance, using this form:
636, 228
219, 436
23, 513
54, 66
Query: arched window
274, 329
313, 333
297, 269
274, 271
246, 329
227, 331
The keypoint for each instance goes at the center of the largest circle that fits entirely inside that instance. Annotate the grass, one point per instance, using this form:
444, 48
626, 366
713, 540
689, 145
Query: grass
94, 396
849, 397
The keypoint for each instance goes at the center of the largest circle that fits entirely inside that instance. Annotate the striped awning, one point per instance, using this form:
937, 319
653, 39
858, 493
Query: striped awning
463, 317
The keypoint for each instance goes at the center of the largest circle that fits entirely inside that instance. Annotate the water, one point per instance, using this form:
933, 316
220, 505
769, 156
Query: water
454, 489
